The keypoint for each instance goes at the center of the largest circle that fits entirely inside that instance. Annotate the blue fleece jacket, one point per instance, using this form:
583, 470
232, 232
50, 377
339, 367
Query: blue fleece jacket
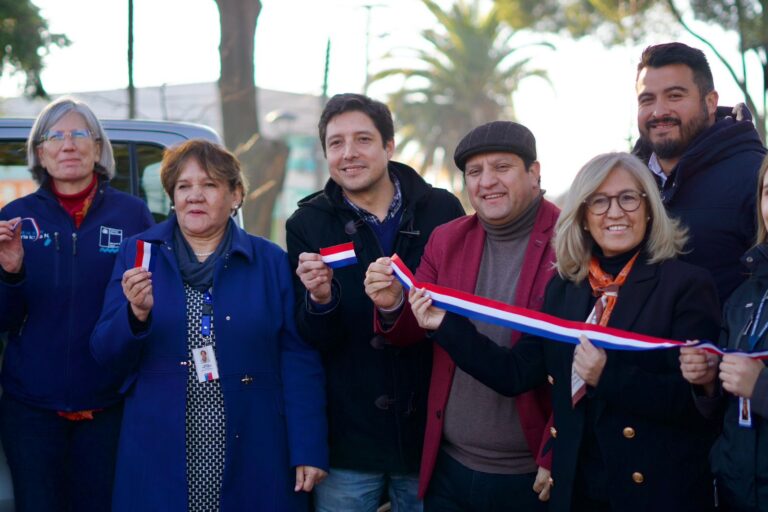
50, 310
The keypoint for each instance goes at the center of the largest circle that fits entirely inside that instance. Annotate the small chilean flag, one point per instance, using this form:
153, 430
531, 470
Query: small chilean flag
143, 254
339, 256
209, 376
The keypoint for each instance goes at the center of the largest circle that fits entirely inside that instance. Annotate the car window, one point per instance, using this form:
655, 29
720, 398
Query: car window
147, 172
15, 179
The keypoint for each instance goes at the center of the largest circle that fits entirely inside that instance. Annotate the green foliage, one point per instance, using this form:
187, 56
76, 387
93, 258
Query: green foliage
612, 21
465, 77
24, 40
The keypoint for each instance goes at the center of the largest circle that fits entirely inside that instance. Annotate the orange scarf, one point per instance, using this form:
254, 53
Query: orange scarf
606, 288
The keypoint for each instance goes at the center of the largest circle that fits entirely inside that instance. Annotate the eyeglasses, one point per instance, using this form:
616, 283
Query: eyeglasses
56, 138
628, 200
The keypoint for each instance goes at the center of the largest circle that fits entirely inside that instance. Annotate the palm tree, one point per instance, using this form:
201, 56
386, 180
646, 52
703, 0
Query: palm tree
465, 78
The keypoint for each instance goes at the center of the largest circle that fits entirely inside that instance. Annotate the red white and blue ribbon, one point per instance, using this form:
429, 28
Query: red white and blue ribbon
32, 221
541, 324
143, 254
339, 256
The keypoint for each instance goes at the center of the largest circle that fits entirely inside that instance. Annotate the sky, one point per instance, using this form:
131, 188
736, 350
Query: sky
589, 106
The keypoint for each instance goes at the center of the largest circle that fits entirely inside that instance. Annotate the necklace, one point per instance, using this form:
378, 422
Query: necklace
203, 254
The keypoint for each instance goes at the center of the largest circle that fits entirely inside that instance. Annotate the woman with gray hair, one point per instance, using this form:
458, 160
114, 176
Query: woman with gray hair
60, 411
626, 434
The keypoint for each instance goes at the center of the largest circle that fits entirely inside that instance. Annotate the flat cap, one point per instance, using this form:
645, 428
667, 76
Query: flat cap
504, 136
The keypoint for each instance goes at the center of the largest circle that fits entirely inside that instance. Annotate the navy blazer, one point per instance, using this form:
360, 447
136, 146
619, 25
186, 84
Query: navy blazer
273, 382
653, 441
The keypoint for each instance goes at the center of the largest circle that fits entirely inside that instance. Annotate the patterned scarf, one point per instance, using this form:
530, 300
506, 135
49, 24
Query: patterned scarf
606, 288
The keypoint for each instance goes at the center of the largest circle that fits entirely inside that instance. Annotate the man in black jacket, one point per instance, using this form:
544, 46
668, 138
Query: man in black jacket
705, 158
376, 393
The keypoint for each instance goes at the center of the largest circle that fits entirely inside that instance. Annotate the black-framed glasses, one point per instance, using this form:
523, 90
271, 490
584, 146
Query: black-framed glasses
628, 200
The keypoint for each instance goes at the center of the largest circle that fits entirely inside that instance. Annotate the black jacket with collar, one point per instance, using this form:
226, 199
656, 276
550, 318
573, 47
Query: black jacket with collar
739, 459
652, 439
377, 394
712, 190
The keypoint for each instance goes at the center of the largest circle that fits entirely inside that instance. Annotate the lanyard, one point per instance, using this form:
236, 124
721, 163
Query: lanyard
205, 321
754, 335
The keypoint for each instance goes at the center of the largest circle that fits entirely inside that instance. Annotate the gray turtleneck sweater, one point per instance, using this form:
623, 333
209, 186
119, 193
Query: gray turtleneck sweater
482, 428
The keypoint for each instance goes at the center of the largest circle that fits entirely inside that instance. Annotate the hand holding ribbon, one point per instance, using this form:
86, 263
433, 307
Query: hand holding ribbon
428, 316
589, 361
11, 248
137, 287
381, 286
316, 277
739, 374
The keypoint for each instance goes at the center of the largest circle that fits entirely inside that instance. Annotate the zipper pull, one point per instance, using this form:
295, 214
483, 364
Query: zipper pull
74, 244
56, 240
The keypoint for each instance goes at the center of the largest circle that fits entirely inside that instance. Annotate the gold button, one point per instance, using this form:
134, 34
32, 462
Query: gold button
551, 379
553, 432
629, 432
638, 477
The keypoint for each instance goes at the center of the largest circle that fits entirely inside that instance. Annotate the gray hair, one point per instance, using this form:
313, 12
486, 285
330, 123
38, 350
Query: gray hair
50, 115
666, 237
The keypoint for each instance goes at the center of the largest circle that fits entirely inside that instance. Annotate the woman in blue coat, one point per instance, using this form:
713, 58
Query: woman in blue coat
60, 411
225, 405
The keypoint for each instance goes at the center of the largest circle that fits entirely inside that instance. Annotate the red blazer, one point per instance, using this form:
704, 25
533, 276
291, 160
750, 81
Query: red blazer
452, 258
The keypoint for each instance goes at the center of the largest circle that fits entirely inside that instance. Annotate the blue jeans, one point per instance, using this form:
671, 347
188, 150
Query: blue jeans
57, 464
456, 488
346, 490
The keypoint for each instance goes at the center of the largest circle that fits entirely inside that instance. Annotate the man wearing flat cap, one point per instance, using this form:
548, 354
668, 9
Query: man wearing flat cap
482, 450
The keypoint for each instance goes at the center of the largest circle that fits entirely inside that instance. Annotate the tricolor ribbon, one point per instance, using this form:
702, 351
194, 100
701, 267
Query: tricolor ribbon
32, 221
542, 324
339, 256
143, 254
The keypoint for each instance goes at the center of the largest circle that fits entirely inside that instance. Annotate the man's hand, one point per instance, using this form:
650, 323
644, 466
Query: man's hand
316, 277
739, 374
137, 287
589, 361
11, 249
381, 286
307, 477
699, 367
428, 316
543, 483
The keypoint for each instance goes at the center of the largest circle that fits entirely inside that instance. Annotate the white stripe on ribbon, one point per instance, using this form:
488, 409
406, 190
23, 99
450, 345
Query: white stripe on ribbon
143, 254
542, 324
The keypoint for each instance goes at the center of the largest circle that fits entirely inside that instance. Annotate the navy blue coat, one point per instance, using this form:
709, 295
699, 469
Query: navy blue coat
272, 382
51, 312
712, 190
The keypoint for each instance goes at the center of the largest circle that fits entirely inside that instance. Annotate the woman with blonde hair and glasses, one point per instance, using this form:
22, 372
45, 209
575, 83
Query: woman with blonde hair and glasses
60, 411
626, 434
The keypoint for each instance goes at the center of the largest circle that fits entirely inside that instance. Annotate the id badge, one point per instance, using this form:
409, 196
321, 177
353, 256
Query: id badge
205, 363
745, 412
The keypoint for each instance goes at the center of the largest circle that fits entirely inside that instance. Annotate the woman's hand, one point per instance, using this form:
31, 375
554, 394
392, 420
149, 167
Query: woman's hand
307, 477
11, 249
739, 374
381, 286
137, 287
428, 316
699, 367
543, 483
589, 361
